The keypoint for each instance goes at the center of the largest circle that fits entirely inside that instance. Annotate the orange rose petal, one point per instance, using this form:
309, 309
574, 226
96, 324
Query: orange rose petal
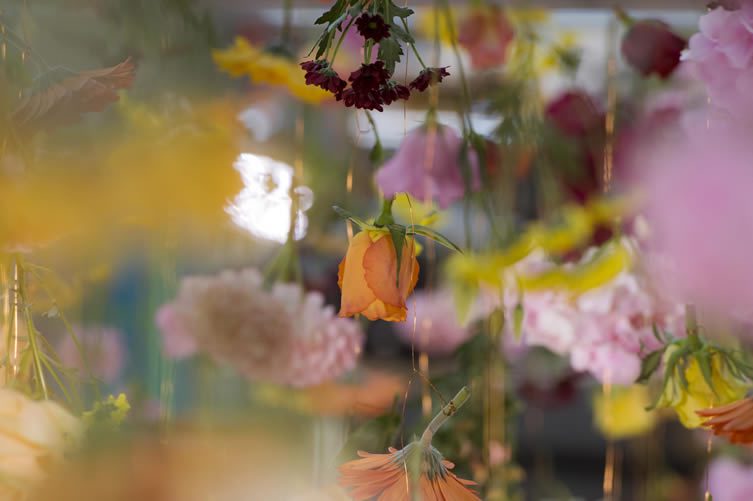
408, 269
380, 270
356, 295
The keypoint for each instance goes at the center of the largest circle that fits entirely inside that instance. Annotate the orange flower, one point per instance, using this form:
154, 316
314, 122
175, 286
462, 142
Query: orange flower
733, 421
386, 476
368, 277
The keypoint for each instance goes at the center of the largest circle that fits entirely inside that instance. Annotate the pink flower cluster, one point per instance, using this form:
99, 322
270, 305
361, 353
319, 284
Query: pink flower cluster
729, 480
103, 349
283, 335
723, 56
605, 331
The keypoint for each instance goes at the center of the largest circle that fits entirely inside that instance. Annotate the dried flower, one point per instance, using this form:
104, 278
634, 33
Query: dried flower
733, 421
651, 47
372, 27
65, 100
283, 336
368, 277
427, 77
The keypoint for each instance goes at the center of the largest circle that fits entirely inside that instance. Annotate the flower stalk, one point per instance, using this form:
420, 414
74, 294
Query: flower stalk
449, 410
385, 217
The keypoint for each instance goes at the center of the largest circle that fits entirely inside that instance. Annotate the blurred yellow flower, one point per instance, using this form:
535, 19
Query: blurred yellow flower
622, 412
265, 67
698, 395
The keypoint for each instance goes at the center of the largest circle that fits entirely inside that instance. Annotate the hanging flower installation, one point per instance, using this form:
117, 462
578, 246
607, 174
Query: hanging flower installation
372, 86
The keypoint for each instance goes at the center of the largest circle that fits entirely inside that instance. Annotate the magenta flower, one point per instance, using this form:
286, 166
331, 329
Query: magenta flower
103, 348
701, 215
428, 166
723, 56
730, 480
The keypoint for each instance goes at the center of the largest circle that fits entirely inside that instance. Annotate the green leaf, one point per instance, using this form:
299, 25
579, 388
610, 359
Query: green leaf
333, 13
390, 52
649, 365
496, 321
377, 153
400, 33
398, 231
402, 12
657, 333
704, 362
424, 231
348, 215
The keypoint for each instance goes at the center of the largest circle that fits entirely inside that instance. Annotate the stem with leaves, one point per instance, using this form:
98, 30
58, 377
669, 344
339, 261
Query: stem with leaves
449, 410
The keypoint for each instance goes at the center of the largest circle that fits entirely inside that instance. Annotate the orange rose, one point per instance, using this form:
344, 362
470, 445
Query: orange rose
368, 277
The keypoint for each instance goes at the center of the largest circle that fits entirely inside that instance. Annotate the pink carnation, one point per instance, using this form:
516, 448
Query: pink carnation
723, 55
428, 166
730, 481
103, 349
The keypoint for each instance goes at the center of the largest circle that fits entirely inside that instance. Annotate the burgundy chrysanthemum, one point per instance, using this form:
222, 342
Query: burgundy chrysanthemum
320, 74
394, 91
427, 77
372, 27
371, 100
369, 77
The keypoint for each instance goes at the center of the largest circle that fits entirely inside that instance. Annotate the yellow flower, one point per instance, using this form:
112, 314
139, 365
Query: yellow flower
109, 413
622, 413
368, 277
698, 395
262, 67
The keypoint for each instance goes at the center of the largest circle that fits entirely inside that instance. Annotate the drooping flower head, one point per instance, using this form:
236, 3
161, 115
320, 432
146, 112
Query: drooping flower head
368, 277
372, 27
429, 166
320, 74
428, 77
651, 47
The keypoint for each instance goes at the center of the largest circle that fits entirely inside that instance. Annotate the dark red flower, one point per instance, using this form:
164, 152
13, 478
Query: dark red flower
574, 113
320, 74
369, 77
363, 100
372, 27
394, 91
427, 77
651, 47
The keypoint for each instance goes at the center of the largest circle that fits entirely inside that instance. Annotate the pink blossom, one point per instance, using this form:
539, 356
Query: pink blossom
428, 166
437, 328
729, 480
103, 351
723, 56
701, 215
486, 34
177, 341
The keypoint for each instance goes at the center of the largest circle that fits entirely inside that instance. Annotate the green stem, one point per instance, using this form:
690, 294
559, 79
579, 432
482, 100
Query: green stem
466, 122
370, 118
385, 217
446, 413
340, 41
287, 22
30, 327
623, 16
691, 327
412, 45
367, 52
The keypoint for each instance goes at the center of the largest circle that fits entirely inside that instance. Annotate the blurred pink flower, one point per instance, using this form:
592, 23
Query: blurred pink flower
486, 34
428, 166
103, 348
549, 320
284, 335
437, 328
700, 211
723, 56
729, 480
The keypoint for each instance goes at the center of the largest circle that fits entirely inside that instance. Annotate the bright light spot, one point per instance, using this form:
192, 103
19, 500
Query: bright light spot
263, 206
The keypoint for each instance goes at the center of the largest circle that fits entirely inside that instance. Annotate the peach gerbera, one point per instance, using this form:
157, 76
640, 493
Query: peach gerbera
733, 421
417, 468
